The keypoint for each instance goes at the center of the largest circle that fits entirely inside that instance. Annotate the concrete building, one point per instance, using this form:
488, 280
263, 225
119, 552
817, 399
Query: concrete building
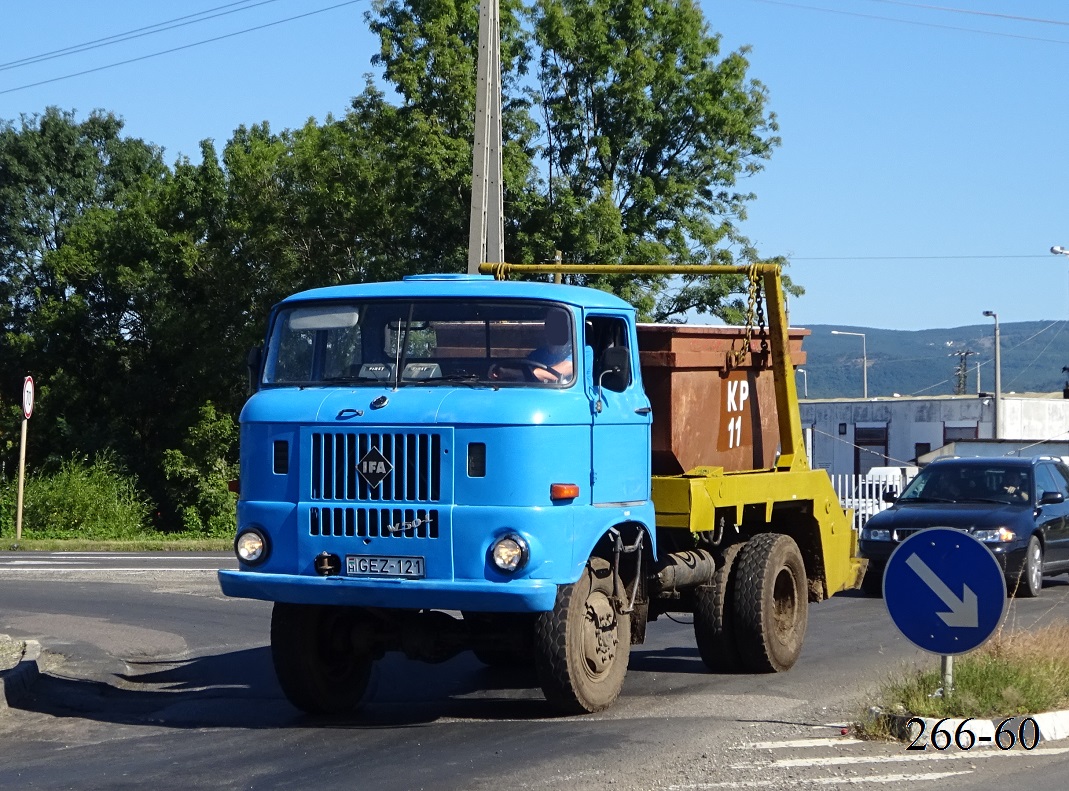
848, 436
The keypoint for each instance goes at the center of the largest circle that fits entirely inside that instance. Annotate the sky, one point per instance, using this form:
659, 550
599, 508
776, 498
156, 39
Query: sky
921, 180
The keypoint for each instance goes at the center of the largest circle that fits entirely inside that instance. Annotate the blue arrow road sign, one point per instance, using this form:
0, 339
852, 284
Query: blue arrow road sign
944, 590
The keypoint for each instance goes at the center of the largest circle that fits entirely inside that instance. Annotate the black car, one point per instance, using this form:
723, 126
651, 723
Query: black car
1019, 508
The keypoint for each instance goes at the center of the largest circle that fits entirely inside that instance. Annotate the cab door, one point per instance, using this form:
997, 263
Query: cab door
620, 412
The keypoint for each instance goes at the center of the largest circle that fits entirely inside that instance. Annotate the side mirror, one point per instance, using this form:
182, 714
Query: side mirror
890, 495
1052, 498
254, 361
615, 369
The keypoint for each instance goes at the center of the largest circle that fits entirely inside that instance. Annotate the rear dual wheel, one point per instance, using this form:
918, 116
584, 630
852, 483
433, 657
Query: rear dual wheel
714, 622
770, 603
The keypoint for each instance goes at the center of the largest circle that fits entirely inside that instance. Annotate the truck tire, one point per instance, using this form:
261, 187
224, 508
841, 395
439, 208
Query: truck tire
507, 655
583, 644
317, 666
771, 603
714, 626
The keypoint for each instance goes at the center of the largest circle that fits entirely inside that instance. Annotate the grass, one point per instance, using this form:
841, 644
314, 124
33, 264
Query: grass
1017, 672
136, 545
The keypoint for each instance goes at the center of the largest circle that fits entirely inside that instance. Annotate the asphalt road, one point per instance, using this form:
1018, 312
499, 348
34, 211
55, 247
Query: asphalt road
155, 680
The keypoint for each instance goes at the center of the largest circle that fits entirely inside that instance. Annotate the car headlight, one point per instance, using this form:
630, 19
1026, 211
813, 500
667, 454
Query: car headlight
251, 546
995, 535
510, 552
875, 534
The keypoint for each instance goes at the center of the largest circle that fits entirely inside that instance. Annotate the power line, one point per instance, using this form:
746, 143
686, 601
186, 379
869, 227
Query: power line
914, 257
117, 38
973, 12
179, 49
910, 21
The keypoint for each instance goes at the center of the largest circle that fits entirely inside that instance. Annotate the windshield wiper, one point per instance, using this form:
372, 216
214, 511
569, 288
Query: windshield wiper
468, 379
927, 500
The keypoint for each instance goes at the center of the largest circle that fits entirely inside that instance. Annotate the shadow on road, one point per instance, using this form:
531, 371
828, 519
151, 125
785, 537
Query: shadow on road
238, 690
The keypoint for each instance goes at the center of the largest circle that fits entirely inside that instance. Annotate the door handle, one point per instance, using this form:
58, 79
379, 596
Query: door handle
643, 410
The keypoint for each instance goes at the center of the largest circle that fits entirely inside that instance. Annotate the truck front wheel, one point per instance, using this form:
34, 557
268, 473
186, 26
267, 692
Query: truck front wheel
317, 665
583, 644
771, 604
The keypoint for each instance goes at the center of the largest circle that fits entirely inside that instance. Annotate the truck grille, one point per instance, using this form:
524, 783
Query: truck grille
373, 522
415, 467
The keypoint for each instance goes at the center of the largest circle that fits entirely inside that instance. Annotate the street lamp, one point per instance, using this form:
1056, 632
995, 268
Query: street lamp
805, 381
998, 375
864, 360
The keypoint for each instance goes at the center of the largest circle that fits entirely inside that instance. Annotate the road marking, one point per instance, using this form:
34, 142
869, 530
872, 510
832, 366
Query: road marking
828, 742
107, 570
819, 781
797, 763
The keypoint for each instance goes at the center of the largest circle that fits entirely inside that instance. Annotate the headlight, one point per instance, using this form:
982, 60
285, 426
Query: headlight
875, 534
251, 547
510, 552
998, 535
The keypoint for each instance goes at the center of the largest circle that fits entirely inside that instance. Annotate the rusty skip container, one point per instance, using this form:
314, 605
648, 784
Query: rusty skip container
710, 408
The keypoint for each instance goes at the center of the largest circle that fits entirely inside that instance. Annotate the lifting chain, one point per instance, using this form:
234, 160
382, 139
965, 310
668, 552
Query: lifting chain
755, 307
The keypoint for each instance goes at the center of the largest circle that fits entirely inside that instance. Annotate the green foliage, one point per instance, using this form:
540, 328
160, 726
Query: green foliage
132, 290
82, 500
199, 474
647, 131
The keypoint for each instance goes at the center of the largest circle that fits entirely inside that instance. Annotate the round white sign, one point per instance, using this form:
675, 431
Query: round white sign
27, 396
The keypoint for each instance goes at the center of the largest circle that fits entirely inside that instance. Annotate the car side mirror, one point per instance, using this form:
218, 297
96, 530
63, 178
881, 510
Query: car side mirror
890, 496
1051, 498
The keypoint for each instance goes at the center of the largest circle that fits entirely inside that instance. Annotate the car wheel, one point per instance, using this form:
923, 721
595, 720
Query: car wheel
714, 628
1030, 582
872, 582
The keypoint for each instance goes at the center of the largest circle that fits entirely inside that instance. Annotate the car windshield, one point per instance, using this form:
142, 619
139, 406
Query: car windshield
957, 483
420, 343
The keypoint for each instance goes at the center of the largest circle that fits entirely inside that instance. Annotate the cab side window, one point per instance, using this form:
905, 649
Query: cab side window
607, 336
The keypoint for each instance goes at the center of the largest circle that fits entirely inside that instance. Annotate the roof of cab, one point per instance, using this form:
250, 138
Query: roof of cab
465, 287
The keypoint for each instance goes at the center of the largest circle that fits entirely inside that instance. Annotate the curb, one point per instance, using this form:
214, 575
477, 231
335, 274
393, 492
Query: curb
16, 683
1052, 726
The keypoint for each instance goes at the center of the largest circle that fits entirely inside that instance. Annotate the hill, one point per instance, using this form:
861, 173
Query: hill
924, 362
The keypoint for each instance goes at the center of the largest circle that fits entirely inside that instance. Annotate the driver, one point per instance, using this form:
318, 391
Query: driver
552, 361
556, 353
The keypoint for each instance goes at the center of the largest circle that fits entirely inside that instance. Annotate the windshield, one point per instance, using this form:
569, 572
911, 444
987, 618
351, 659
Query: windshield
424, 342
956, 483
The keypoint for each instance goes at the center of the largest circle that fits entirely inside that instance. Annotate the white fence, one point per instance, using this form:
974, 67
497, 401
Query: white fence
865, 494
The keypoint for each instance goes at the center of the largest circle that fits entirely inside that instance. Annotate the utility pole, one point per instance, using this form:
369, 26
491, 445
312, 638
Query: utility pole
961, 371
486, 232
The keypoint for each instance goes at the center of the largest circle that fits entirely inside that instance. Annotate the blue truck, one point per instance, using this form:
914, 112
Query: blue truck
459, 462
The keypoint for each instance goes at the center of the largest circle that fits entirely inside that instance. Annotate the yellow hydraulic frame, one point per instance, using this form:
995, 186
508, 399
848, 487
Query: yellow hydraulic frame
690, 501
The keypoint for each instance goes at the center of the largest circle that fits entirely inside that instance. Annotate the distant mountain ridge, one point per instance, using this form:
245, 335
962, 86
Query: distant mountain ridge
924, 362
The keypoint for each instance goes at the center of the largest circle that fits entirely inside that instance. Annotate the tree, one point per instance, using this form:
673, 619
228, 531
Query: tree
646, 135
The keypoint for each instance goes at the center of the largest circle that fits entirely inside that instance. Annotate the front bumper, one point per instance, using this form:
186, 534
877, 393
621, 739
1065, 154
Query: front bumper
521, 595
1010, 556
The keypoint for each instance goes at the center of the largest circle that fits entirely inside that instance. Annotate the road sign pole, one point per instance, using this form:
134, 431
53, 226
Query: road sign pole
947, 667
22, 482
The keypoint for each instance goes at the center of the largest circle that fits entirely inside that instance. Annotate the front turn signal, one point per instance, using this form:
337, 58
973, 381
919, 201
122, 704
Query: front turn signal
563, 491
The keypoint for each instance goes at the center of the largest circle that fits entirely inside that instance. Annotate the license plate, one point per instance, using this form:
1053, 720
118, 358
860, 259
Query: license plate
384, 566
